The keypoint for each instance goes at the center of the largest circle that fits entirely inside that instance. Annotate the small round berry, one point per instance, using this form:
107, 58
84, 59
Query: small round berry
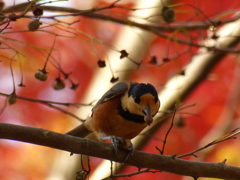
58, 84
41, 75
34, 25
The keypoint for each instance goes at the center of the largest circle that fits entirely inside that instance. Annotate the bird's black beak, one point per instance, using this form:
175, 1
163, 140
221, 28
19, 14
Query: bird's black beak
147, 115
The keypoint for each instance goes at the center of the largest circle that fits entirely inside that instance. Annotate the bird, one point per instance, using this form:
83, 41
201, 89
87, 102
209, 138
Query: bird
121, 114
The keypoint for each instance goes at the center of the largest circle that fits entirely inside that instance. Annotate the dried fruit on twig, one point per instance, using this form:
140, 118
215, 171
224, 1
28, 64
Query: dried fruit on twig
34, 25
74, 86
58, 84
153, 60
82, 175
114, 79
168, 14
41, 75
38, 12
123, 54
101, 63
12, 99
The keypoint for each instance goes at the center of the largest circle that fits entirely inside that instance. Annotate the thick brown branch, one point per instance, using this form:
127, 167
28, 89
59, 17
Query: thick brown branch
105, 151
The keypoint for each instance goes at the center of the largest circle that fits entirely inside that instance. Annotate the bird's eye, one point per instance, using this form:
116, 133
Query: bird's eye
137, 100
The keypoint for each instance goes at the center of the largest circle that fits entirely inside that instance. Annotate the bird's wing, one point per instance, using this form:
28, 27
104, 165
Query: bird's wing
116, 90
79, 131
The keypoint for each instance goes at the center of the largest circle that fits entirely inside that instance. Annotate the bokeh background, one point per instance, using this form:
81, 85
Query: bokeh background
80, 42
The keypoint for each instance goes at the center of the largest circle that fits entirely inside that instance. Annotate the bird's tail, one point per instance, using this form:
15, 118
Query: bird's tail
79, 131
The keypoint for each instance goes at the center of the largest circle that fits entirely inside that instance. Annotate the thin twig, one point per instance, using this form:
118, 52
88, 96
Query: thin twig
226, 137
166, 136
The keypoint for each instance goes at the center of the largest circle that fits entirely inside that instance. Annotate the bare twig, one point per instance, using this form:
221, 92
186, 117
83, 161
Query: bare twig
226, 137
50, 104
91, 13
166, 136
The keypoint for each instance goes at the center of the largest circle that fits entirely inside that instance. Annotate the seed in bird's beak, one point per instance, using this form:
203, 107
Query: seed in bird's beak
147, 115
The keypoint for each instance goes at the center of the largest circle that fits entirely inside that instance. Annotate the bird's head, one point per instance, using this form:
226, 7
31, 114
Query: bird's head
142, 99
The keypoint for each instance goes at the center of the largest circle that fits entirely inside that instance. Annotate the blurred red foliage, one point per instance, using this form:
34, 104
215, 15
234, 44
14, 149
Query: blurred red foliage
75, 55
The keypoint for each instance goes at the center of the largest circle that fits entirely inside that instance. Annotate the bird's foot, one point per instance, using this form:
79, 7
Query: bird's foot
121, 143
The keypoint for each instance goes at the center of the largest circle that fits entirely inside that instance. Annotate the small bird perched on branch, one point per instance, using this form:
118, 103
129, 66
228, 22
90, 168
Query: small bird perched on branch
121, 114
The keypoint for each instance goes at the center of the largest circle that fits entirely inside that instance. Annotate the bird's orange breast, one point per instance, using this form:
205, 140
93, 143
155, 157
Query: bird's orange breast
106, 119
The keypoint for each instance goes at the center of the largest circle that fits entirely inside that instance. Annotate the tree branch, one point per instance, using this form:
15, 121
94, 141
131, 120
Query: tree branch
103, 150
93, 13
